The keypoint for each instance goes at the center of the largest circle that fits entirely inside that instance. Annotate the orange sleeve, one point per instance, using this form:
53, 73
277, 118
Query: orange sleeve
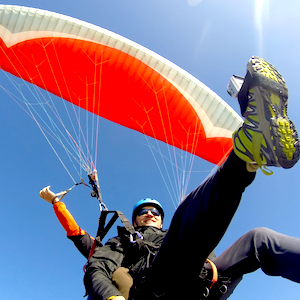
66, 220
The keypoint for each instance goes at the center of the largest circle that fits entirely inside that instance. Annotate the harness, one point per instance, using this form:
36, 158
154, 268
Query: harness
213, 285
103, 228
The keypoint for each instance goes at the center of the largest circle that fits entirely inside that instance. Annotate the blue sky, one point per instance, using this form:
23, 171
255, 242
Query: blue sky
210, 39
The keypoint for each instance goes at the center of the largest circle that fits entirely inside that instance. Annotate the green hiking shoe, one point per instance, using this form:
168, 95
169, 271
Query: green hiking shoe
267, 137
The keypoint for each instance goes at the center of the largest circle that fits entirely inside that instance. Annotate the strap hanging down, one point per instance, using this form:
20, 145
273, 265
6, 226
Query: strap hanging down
135, 237
103, 230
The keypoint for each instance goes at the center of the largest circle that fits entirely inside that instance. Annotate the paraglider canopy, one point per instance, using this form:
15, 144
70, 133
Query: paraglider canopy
117, 79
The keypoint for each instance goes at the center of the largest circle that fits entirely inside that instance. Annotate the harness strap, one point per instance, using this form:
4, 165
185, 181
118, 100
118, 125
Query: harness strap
103, 230
214, 271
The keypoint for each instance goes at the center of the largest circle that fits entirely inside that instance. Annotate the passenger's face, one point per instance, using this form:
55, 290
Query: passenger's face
148, 218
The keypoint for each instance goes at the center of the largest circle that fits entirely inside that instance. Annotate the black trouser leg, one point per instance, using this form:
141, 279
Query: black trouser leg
198, 225
275, 253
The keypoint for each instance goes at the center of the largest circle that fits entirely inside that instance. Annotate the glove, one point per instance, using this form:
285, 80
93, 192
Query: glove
48, 195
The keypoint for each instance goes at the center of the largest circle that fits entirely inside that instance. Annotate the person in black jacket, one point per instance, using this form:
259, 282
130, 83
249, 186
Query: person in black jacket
81, 239
173, 264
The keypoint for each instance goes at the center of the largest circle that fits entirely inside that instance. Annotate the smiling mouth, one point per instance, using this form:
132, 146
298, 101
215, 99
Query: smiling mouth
149, 220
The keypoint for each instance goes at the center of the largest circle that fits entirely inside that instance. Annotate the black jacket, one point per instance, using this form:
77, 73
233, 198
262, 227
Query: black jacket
121, 252
83, 243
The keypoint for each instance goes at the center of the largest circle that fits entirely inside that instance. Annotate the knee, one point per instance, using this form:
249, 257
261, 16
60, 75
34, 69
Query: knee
260, 234
123, 281
260, 231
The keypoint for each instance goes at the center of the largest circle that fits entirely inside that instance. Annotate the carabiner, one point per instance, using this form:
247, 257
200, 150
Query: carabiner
134, 241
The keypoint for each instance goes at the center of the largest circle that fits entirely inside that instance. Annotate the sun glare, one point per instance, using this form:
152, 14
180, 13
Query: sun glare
261, 11
194, 2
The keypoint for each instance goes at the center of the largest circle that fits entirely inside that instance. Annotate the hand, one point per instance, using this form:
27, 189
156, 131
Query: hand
48, 195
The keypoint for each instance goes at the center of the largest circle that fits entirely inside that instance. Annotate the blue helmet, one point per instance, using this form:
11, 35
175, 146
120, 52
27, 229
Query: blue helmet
147, 202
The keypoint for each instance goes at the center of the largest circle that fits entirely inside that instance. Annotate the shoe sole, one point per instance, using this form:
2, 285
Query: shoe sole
271, 99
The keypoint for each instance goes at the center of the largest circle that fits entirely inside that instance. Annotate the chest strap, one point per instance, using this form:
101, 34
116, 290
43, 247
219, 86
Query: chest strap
135, 237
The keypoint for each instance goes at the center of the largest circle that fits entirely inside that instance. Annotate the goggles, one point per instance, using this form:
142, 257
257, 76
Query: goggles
144, 211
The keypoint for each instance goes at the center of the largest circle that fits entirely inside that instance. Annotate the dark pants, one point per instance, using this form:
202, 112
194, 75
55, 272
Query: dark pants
198, 225
274, 253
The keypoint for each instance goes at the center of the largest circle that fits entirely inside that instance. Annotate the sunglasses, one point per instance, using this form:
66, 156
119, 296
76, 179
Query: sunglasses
144, 211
